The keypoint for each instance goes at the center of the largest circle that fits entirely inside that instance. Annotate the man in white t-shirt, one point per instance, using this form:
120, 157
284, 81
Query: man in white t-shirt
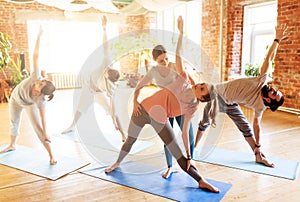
253, 92
31, 95
100, 88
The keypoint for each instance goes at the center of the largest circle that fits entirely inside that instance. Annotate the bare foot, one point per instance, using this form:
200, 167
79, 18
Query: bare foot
68, 130
8, 149
203, 184
167, 173
53, 162
111, 168
261, 159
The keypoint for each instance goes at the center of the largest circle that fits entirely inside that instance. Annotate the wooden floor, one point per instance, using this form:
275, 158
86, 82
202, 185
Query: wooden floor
281, 138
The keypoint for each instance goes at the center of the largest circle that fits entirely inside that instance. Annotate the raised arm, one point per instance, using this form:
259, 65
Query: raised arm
104, 41
191, 80
179, 63
280, 34
37, 50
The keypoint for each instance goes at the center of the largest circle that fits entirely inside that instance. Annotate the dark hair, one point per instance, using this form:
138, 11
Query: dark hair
48, 89
157, 51
113, 75
274, 104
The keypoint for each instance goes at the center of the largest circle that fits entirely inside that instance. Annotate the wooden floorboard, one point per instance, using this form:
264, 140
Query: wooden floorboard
13, 177
280, 138
74, 187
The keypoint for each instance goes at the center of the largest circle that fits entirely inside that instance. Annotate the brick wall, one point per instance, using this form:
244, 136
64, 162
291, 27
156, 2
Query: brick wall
287, 61
232, 14
130, 62
17, 29
211, 30
234, 38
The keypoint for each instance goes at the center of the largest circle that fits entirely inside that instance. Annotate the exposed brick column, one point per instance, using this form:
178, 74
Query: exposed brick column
234, 38
287, 61
210, 42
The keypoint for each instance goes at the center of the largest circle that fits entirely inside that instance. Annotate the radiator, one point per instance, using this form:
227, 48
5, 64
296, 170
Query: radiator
66, 80
290, 110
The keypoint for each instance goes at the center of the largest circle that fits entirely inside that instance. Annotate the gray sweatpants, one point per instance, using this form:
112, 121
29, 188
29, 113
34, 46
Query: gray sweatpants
15, 112
164, 131
234, 112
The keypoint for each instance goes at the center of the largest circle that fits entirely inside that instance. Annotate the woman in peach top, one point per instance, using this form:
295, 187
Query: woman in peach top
177, 98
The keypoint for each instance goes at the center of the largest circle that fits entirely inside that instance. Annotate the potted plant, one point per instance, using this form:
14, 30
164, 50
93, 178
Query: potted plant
8, 63
253, 69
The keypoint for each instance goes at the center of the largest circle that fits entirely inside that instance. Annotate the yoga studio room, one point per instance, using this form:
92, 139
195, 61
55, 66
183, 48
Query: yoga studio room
147, 100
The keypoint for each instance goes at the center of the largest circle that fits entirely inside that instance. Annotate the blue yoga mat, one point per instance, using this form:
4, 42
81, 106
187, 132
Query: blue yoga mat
246, 161
179, 186
36, 161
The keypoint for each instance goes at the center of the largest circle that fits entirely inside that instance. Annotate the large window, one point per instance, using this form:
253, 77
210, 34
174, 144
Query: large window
65, 45
191, 13
258, 33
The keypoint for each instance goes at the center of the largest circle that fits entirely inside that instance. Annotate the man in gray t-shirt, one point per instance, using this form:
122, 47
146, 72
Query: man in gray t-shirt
253, 92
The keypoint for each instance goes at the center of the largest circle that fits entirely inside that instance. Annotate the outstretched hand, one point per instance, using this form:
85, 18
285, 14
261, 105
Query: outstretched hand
136, 108
41, 30
180, 24
281, 31
104, 21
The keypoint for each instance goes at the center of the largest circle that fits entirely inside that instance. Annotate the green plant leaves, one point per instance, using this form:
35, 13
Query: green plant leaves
252, 70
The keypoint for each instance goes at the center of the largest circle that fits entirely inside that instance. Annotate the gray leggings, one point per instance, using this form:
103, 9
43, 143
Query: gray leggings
15, 112
165, 132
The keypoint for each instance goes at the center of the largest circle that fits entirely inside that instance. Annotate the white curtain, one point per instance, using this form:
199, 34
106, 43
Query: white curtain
67, 5
134, 9
137, 7
158, 5
104, 6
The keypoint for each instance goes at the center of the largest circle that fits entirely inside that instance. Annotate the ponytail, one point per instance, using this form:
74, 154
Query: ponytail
211, 105
48, 89
50, 97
